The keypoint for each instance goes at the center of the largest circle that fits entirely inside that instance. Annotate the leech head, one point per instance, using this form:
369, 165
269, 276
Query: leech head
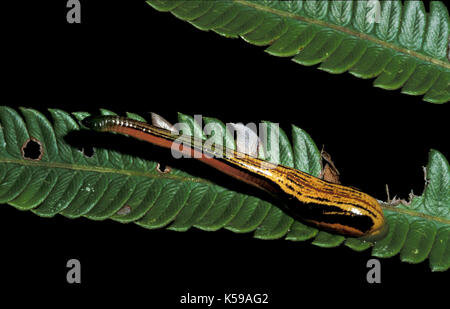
101, 123
91, 122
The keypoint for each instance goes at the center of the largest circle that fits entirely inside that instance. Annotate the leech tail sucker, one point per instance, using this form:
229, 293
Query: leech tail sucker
332, 207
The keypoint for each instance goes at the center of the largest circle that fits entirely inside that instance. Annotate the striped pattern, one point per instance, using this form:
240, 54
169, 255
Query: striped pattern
328, 206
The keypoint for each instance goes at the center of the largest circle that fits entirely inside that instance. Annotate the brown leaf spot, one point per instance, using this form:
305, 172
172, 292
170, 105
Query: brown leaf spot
32, 149
448, 49
125, 210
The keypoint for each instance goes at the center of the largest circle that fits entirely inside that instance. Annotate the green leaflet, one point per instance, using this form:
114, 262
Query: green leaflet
112, 185
401, 44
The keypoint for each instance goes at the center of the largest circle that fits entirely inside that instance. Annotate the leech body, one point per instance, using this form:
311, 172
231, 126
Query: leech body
332, 207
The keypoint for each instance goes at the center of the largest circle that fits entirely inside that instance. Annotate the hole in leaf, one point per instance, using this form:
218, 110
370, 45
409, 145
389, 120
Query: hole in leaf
32, 149
163, 168
87, 151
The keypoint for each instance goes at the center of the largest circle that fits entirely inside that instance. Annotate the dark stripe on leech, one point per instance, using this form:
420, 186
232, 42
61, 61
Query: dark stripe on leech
335, 215
295, 189
296, 179
241, 166
325, 213
340, 203
300, 181
356, 195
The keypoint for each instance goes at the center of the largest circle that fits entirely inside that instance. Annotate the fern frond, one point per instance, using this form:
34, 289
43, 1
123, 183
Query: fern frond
108, 184
401, 45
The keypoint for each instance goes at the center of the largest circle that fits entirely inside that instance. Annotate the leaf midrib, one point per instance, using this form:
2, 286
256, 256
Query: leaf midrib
101, 169
349, 31
413, 213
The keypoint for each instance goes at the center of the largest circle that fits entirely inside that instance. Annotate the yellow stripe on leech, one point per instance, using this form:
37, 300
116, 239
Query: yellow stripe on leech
315, 191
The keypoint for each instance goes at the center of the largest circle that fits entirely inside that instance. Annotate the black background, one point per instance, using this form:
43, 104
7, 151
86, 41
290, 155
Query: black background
125, 56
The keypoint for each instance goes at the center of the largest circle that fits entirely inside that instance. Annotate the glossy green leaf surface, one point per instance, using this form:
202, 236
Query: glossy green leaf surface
401, 44
129, 189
